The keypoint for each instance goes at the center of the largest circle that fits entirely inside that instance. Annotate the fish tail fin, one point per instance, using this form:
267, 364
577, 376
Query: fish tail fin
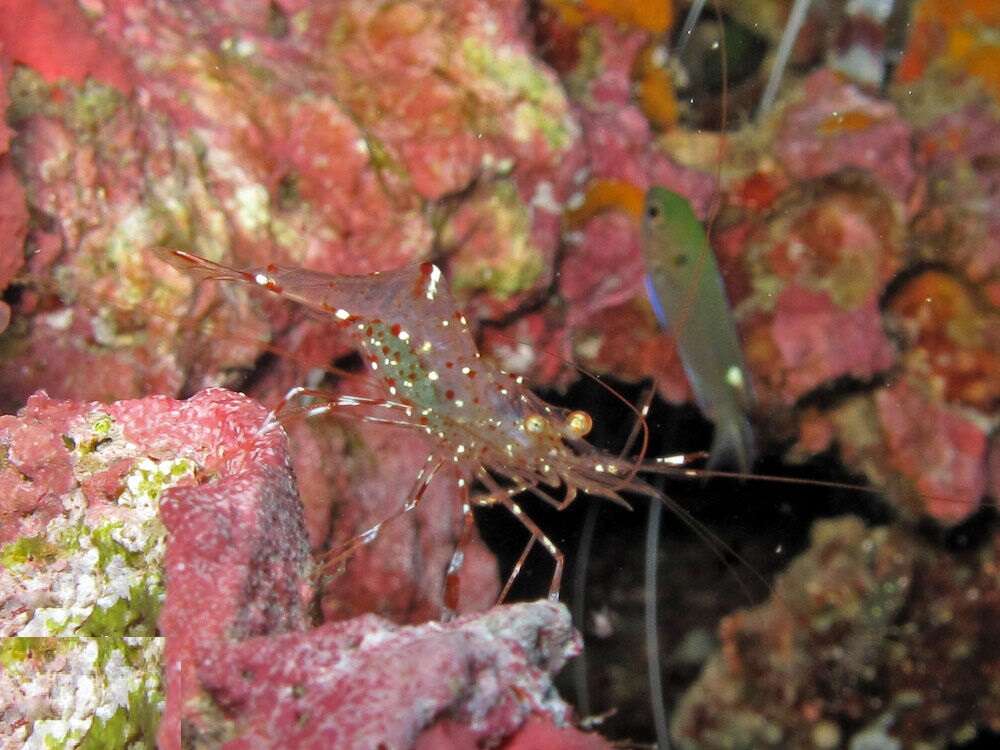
733, 444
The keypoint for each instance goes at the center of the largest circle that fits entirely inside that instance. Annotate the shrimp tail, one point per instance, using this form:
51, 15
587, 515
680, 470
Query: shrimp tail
201, 268
732, 443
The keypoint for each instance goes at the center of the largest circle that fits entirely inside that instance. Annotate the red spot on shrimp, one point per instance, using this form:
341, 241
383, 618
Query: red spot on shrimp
471, 373
395, 329
449, 364
271, 268
425, 274
390, 381
424, 420
449, 394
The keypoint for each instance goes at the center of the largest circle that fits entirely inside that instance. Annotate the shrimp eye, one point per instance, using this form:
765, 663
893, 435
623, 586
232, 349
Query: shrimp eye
534, 424
579, 423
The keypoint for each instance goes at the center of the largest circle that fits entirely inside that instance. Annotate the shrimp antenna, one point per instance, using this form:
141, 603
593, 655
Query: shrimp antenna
651, 626
690, 21
791, 32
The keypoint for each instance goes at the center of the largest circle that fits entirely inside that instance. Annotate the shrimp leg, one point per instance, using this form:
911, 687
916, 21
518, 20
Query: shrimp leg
330, 403
424, 477
499, 495
451, 582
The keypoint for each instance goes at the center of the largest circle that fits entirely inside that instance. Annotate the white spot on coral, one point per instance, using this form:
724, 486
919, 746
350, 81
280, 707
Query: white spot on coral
545, 199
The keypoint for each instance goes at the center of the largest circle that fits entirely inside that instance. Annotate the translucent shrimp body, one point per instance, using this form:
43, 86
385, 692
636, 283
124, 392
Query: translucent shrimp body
420, 348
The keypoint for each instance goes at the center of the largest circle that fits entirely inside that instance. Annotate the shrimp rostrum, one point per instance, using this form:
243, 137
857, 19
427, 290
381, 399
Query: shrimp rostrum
484, 421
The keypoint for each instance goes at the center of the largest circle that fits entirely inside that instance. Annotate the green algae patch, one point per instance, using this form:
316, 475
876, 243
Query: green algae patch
509, 263
99, 575
82, 692
540, 105
28, 549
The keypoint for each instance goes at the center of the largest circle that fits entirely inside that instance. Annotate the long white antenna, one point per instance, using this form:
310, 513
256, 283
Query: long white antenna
694, 13
795, 20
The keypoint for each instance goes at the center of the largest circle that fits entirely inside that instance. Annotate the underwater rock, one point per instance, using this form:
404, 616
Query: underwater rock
817, 266
29, 28
836, 126
100, 547
176, 526
869, 626
366, 682
75, 691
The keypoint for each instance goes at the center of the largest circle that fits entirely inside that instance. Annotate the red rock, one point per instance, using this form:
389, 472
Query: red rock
838, 126
34, 476
365, 682
54, 38
540, 733
819, 341
941, 452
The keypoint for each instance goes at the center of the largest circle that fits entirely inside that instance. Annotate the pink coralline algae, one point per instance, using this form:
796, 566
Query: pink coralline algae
366, 683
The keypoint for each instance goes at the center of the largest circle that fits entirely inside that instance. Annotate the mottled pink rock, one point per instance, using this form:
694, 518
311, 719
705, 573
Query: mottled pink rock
537, 733
238, 550
35, 475
606, 267
960, 223
367, 683
314, 140
236, 558
820, 341
942, 453
6, 133
837, 125
13, 210
540, 733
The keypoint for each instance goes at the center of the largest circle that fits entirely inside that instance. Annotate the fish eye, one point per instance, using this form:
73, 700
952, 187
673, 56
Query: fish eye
578, 424
534, 424
652, 211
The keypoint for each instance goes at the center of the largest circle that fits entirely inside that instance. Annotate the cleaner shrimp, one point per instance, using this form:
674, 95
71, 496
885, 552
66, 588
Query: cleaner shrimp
480, 419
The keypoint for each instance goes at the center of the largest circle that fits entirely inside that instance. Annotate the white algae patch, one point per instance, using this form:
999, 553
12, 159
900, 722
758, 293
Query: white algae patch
70, 692
80, 661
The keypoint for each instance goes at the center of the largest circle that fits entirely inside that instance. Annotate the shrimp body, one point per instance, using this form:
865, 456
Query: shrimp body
420, 348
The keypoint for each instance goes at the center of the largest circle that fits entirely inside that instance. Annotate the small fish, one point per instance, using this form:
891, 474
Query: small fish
684, 286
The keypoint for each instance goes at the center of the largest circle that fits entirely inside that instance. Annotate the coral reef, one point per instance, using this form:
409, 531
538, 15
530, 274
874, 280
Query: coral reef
871, 635
511, 143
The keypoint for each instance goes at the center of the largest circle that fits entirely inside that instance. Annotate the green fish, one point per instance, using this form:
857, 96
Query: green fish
684, 286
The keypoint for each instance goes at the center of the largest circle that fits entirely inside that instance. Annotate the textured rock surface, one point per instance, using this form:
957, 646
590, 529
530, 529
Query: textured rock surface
871, 631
